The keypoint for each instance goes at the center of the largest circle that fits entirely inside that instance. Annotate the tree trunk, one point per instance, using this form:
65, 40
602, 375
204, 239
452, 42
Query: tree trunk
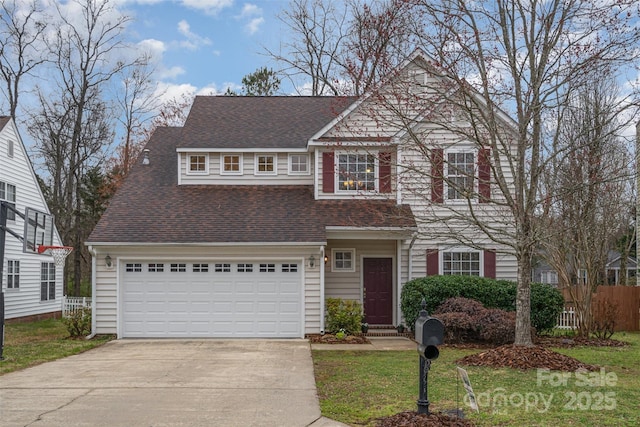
523, 303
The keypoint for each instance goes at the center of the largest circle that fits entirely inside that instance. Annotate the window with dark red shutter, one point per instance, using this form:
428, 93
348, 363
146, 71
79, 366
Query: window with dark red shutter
437, 177
385, 172
484, 175
328, 177
433, 262
490, 263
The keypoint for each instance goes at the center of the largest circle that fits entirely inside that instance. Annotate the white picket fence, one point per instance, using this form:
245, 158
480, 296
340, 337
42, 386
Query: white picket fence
568, 319
71, 304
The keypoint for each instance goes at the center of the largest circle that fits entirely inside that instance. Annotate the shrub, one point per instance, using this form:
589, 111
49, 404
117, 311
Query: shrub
458, 328
79, 322
546, 302
496, 326
604, 316
460, 305
343, 315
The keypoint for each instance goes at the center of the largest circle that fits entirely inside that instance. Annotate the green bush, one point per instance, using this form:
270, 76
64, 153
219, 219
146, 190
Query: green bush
546, 301
343, 315
79, 322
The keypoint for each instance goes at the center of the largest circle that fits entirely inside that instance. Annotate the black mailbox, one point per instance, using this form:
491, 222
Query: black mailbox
429, 335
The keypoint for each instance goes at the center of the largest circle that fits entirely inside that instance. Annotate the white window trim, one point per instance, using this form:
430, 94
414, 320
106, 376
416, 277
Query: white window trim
206, 164
336, 171
240, 164
445, 190
291, 172
334, 269
459, 249
11, 216
275, 164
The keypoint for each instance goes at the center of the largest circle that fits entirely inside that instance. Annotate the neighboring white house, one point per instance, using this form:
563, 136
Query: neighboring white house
245, 220
31, 283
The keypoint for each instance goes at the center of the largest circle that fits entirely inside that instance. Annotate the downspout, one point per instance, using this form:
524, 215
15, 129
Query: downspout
398, 280
413, 241
321, 263
92, 251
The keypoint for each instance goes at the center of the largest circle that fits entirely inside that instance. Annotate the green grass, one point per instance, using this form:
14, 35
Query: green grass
357, 387
29, 344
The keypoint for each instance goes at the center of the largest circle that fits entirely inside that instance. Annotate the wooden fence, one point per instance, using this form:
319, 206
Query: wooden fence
626, 300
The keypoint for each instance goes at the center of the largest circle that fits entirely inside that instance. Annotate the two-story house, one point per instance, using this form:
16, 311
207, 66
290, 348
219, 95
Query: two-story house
245, 220
31, 283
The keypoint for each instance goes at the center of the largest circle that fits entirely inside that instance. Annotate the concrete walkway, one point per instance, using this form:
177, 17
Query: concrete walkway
169, 383
377, 343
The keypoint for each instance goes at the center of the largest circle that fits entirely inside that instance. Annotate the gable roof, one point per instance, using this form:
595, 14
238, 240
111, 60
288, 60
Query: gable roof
3, 121
276, 122
151, 207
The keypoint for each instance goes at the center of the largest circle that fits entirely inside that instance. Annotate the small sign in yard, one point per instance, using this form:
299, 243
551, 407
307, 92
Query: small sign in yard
467, 386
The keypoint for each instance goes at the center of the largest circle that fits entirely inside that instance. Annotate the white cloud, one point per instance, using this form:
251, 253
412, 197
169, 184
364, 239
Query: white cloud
170, 73
210, 7
254, 15
193, 41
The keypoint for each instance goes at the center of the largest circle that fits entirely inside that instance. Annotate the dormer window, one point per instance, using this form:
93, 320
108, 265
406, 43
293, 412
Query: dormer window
266, 164
198, 164
231, 164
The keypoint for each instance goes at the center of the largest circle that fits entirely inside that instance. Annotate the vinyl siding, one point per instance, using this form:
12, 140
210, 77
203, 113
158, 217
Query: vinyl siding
24, 301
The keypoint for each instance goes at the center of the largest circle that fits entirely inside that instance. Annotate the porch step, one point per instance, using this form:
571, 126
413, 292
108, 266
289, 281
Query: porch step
387, 332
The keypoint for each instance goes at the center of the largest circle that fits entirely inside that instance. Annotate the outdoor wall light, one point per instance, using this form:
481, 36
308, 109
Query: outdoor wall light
312, 261
326, 259
108, 262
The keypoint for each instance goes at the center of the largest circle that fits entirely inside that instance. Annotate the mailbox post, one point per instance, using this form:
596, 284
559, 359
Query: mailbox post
429, 334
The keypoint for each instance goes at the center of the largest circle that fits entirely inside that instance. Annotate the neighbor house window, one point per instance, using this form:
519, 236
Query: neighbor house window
47, 281
8, 194
460, 172
298, 164
13, 274
356, 172
231, 164
465, 263
198, 164
266, 164
343, 260
10, 149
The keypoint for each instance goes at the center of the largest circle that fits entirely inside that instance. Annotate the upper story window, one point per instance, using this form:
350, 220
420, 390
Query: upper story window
231, 164
356, 172
460, 173
10, 149
198, 164
8, 194
298, 164
266, 164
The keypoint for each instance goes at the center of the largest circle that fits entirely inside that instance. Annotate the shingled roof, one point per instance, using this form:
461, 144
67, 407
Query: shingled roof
151, 207
227, 122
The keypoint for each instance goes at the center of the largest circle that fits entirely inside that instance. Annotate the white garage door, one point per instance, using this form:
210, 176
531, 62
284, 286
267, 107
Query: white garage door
211, 299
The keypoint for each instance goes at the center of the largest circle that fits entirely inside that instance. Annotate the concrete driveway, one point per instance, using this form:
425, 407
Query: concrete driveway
169, 383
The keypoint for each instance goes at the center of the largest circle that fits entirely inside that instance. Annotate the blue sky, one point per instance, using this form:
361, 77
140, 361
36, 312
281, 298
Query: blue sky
205, 45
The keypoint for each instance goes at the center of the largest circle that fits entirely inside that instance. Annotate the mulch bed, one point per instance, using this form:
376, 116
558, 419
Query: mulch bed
413, 419
525, 358
332, 339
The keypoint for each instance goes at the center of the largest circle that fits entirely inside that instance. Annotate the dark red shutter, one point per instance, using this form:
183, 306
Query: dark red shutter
490, 263
484, 175
437, 175
385, 172
328, 176
433, 262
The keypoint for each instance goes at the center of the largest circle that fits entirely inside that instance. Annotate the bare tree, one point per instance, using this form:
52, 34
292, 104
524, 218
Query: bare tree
21, 42
347, 50
84, 50
588, 183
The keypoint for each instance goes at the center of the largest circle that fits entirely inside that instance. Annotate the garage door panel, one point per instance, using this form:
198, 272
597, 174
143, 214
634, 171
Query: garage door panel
222, 300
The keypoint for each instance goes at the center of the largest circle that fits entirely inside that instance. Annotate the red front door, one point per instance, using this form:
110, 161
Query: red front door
378, 290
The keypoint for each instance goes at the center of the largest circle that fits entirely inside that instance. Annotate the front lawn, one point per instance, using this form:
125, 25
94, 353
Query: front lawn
357, 387
28, 344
